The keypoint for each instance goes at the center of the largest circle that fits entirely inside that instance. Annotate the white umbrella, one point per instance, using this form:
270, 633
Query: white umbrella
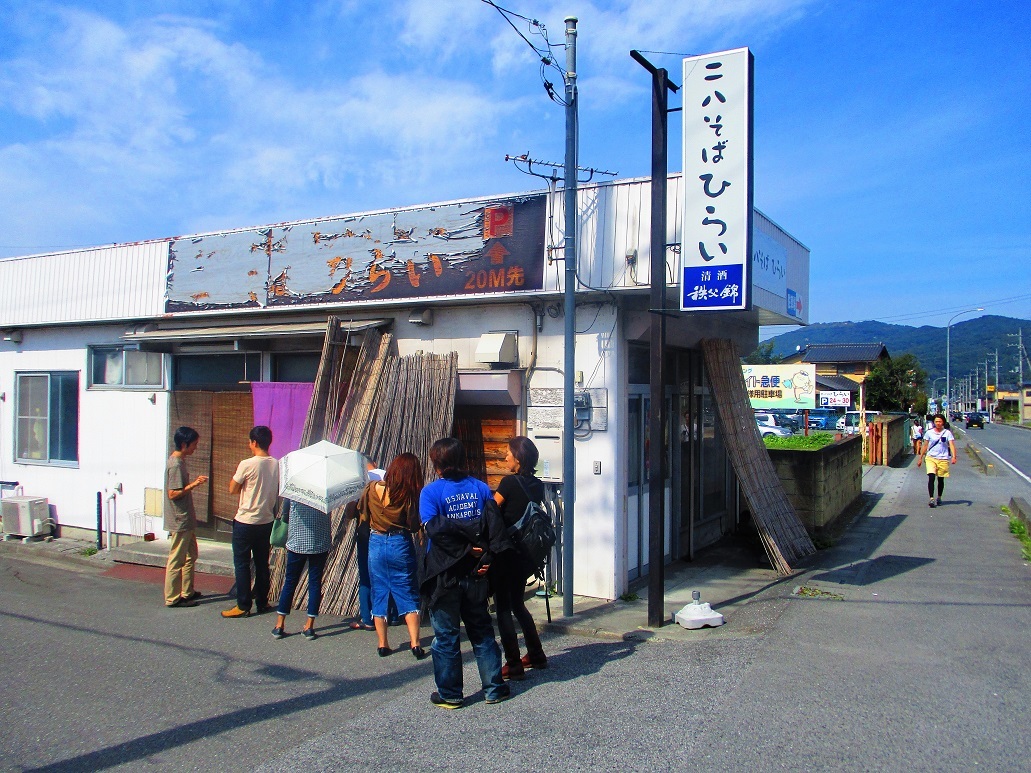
323, 475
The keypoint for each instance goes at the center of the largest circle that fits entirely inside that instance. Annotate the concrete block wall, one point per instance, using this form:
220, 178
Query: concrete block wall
821, 484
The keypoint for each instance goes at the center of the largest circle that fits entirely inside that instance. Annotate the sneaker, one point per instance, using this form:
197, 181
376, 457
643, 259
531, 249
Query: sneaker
262, 609
181, 603
309, 634
513, 671
278, 633
194, 596
436, 700
938, 501
236, 612
541, 662
931, 503
502, 696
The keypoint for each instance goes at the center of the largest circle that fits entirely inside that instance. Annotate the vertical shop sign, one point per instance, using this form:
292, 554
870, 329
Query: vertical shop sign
716, 251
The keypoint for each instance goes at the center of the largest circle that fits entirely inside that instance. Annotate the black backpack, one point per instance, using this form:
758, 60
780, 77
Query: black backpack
533, 535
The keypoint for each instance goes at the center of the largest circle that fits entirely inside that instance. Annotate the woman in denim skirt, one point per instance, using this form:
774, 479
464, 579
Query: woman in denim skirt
391, 508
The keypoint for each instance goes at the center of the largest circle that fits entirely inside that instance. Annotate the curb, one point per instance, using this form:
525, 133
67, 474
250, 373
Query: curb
49, 552
986, 467
1020, 508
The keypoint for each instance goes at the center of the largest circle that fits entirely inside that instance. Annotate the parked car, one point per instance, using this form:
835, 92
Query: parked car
789, 419
822, 418
849, 423
768, 420
765, 430
975, 420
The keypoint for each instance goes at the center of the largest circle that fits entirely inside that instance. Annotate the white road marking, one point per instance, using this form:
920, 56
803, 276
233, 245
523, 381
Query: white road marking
999, 457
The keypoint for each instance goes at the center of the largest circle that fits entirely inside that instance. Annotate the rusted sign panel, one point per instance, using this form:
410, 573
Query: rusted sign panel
443, 250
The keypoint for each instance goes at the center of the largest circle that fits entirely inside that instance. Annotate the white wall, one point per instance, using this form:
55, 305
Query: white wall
122, 435
600, 499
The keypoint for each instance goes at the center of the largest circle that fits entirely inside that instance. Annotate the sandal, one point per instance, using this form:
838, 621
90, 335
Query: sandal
358, 625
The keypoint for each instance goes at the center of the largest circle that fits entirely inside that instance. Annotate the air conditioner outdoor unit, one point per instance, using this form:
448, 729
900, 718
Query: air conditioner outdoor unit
25, 516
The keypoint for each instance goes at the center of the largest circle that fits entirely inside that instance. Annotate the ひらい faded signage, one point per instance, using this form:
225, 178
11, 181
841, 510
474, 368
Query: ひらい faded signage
466, 248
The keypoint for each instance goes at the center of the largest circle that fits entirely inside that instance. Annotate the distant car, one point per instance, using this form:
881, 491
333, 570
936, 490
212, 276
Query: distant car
849, 423
792, 421
975, 420
822, 418
766, 430
768, 421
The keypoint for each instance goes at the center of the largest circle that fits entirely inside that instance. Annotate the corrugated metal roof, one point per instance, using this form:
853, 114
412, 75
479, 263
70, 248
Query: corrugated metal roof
102, 284
843, 352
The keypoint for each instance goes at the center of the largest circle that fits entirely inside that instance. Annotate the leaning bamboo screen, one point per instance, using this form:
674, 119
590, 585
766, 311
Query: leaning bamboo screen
387, 405
782, 533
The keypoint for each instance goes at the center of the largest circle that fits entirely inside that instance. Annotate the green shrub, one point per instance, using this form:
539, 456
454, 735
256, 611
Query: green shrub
813, 442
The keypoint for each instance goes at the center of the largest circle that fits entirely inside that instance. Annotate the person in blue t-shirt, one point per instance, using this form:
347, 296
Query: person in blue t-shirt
455, 574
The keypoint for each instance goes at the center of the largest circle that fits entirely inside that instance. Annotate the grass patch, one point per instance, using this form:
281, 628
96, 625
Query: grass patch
89, 551
813, 442
809, 592
629, 597
1019, 530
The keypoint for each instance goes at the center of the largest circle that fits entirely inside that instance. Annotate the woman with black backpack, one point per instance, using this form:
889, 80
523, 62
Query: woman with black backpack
510, 569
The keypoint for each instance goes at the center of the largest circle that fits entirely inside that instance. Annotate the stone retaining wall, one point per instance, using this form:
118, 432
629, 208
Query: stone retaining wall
824, 484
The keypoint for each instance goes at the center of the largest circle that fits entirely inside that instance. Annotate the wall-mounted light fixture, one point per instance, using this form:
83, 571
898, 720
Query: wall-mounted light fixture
421, 317
14, 336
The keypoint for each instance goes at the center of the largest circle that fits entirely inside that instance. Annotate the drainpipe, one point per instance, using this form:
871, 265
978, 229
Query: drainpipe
100, 520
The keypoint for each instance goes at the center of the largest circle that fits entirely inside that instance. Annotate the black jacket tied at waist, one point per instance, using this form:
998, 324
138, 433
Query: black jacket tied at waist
449, 557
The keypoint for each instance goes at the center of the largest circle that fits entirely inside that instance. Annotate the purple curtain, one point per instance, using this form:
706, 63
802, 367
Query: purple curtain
283, 408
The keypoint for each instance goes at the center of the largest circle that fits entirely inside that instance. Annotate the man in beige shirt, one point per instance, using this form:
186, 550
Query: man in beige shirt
257, 482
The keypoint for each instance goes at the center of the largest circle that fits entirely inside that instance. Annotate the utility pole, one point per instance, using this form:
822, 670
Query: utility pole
569, 296
661, 85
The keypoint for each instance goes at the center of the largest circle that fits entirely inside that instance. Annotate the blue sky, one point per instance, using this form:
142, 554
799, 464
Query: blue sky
892, 138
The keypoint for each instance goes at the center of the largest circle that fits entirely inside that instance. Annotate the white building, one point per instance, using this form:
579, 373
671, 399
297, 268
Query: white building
106, 351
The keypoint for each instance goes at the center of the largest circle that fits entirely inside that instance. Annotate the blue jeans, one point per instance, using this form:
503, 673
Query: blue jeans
294, 566
392, 569
249, 541
466, 602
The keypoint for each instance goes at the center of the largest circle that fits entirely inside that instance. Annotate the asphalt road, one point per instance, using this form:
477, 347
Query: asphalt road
1011, 444
912, 656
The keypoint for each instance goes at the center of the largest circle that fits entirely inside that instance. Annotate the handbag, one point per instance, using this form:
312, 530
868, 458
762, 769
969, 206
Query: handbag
280, 530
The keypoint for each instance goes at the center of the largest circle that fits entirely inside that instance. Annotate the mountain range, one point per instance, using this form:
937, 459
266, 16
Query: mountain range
971, 342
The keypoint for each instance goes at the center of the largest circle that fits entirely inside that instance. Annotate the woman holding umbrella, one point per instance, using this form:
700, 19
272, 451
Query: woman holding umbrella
309, 541
314, 481
391, 509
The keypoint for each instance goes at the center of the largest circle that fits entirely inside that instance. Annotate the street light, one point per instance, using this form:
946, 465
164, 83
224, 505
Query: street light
948, 347
940, 378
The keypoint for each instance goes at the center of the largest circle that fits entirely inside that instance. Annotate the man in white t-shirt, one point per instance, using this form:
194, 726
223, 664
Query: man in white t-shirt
939, 448
257, 482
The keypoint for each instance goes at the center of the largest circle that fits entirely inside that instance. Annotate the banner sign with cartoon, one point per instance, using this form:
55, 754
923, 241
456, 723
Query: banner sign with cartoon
465, 248
772, 387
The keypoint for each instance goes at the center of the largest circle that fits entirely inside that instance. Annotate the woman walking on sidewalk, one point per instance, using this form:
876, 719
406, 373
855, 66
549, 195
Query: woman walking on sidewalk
939, 448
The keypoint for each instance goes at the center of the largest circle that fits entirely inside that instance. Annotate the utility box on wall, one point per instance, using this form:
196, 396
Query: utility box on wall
549, 446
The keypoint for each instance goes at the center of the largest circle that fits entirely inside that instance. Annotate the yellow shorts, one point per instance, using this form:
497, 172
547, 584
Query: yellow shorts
939, 467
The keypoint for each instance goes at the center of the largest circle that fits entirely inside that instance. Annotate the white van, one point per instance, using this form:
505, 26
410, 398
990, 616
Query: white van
849, 423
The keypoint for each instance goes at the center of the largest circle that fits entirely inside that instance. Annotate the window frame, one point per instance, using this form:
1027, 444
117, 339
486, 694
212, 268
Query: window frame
48, 460
90, 364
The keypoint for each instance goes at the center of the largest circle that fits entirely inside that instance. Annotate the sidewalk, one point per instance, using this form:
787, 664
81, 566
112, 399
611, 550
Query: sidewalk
729, 577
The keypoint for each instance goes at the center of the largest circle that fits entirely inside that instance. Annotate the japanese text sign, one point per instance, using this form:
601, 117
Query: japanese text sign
780, 386
716, 250
466, 248
835, 399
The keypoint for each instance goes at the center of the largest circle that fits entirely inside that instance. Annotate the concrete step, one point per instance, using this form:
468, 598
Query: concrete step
213, 557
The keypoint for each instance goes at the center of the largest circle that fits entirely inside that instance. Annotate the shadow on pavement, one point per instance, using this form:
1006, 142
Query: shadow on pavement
873, 570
